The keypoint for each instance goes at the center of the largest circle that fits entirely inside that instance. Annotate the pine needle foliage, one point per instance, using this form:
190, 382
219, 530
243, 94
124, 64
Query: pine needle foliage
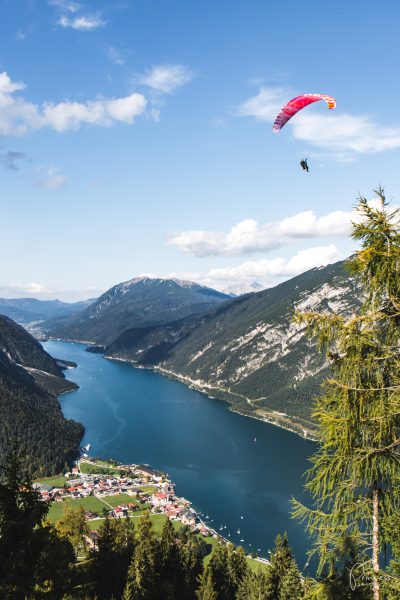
355, 474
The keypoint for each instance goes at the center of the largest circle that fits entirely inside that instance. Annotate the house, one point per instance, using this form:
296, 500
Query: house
42, 487
146, 471
92, 540
188, 518
90, 515
172, 511
120, 511
168, 488
159, 499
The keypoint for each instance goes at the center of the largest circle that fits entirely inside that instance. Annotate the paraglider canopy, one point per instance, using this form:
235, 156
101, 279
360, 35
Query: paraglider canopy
296, 104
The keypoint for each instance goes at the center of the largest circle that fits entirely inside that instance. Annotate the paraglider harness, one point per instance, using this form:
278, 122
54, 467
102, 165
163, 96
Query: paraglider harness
304, 164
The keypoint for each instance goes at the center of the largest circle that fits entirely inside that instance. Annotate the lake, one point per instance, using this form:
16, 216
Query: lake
239, 471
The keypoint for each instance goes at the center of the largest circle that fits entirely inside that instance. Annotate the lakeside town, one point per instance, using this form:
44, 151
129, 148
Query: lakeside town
107, 488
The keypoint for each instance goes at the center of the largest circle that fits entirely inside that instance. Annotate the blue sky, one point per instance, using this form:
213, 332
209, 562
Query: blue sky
136, 138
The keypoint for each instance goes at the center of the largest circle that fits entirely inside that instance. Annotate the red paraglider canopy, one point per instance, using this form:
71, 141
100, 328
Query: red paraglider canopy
296, 104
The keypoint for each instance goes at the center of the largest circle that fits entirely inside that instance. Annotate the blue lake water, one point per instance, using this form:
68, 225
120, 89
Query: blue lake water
137, 416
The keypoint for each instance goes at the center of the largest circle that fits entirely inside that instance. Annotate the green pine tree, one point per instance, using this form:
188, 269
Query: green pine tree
73, 526
129, 591
171, 561
219, 569
55, 559
111, 559
206, 590
143, 574
291, 585
237, 568
192, 554
282, 563
256, 586
34, 562
391, 526
354, 480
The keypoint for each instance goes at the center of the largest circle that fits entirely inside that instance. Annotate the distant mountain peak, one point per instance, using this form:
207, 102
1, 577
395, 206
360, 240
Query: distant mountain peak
238, 289
184, 283
140, 301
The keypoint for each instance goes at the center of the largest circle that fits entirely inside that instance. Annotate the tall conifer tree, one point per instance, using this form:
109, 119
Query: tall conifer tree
143, 574
206, 589
354, 479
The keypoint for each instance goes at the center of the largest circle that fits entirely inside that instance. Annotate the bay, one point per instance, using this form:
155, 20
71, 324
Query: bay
239, 471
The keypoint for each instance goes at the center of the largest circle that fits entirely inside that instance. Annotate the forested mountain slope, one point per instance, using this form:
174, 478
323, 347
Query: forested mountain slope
249, 351
139, 302
30, 414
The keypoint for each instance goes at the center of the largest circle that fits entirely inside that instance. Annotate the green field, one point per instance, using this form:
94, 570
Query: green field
213, 542
89, 503
97, 505
95, 524
88, 469
157, 520
148, 489
57, 481
94, 504
255, 565
120, 499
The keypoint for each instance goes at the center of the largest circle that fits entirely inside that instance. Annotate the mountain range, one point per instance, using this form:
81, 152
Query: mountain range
248, 351
30, 414
244, 350
238, 289
140, 302
30, 310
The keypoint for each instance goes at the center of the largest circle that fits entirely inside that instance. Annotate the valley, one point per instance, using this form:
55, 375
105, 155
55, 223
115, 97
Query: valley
246, 350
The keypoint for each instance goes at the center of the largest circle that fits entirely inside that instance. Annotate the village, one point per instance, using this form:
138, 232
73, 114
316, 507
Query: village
118, 491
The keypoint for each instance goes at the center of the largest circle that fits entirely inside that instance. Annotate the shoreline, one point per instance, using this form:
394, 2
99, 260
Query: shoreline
288, 423
278, 419
104, 478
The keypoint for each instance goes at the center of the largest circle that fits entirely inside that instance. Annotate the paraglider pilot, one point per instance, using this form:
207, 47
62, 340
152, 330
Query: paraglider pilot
304, 164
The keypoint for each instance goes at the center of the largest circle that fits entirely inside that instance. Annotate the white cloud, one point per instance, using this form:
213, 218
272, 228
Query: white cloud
51, 178
249, 236
165, 78
68, 18
66, 5
267, 272
340, 135
71, 115
55, 182
265, 105
7, 86
115, 56
18, 116
42, 292
13, 290
20, 36
277, 267
356, 134
82, 23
